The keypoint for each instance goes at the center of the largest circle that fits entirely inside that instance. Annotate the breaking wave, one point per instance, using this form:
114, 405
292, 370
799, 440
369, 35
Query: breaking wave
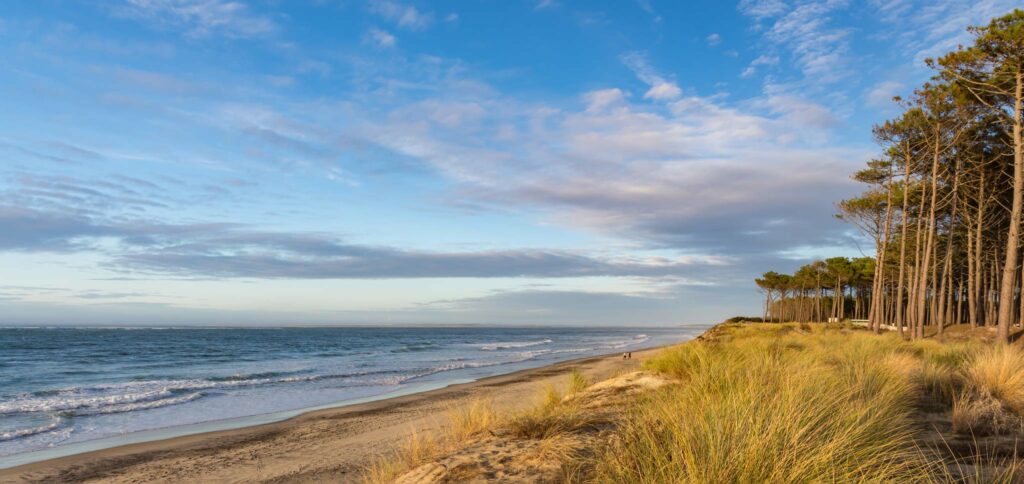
512, 345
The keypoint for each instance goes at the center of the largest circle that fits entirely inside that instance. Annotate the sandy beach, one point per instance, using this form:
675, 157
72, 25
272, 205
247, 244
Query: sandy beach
324, 445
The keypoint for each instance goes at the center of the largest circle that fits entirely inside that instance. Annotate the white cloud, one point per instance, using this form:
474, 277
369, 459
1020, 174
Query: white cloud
201, 17
381, 37
714, 39
933, 27
406, 16
452, 17
882, 93
691, 173
666, 91
761, 9
800, 111
602, 99
660, 88
544, 4
820, 50
763, 60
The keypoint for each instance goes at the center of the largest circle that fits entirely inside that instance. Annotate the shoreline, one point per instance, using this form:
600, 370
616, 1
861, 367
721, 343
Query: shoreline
378, 421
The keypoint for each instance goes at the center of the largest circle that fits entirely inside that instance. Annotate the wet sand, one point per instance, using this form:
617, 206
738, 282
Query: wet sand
332, 445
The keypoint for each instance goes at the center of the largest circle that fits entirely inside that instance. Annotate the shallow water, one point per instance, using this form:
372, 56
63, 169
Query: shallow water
66, 385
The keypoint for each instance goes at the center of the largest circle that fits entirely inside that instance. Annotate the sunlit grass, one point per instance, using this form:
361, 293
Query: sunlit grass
545, 422
999, 372
773, 403
778, 403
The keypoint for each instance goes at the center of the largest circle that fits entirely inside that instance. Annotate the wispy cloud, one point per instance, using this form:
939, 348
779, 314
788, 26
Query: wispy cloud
762, 60
819, 48
405, 16
381, 38
762, 9
691, 175
544, 4
660, 88
882, 94
934, 27
233, 250
201, 17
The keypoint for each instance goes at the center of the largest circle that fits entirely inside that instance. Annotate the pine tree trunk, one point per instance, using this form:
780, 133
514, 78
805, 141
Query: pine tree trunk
898, 298
947, 281
914, 315
977, 297
929, 244
877, 296
1012, 237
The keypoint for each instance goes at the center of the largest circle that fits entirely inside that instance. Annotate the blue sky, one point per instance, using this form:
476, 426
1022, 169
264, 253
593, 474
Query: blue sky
486, 162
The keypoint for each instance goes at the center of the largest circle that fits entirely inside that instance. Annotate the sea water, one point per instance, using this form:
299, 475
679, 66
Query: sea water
61, 386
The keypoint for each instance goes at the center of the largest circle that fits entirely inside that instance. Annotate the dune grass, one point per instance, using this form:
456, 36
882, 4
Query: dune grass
419, 448
991, 400
999, 372
463, 423
811, 403
545, 422
779, 403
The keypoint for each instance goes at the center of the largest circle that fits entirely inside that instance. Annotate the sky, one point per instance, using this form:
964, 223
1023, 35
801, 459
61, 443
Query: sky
518, 162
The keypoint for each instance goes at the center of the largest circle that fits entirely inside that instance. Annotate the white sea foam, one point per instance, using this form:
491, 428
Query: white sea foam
141, 395
615, 345
65, 402
132, 407
511, 344
19, 433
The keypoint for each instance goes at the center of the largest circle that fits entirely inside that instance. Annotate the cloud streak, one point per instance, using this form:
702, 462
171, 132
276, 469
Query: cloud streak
201, 18
230, 250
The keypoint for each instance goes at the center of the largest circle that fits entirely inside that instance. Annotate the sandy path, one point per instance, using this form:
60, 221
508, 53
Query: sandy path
326, 445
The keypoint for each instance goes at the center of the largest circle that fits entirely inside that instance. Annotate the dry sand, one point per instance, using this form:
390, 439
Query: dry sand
332, 445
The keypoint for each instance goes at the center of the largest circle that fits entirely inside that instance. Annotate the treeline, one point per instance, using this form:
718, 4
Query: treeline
943, 202
833, 288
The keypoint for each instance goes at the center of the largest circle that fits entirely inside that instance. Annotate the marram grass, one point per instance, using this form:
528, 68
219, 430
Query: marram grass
775, 405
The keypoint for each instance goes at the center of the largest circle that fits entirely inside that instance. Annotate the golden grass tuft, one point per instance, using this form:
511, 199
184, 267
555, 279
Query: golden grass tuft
548, 421
998, 372
577, 382
469, 420
679, 361
990, 398
982, 416
419, 448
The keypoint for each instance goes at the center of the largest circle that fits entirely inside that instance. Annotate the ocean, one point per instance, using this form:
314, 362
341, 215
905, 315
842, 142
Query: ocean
62, 386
